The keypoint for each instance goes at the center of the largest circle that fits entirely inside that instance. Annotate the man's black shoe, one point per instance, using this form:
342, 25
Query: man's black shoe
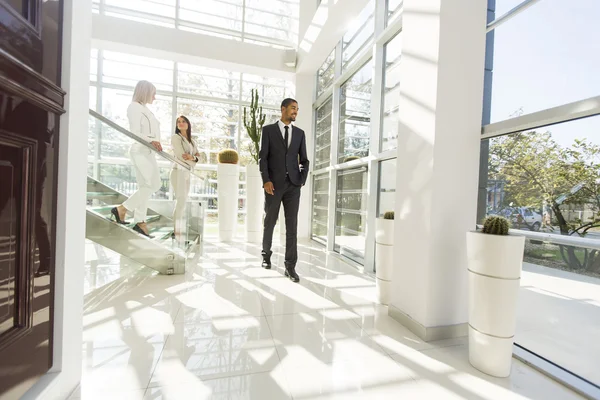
291, 273
266, 263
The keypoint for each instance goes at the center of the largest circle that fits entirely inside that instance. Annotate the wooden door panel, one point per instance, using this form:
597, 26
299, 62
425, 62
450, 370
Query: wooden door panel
31, 103
16, 227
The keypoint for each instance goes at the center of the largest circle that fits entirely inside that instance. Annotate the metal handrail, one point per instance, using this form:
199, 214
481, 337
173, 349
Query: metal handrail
555, 239
510, 14
136, 138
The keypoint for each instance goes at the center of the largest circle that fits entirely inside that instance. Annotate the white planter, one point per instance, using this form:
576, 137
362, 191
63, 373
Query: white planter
228, 190
494, 264
384, 258
255, 200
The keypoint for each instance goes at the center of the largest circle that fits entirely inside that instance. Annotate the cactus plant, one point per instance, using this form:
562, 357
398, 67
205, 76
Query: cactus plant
495, 225
388, 215
253, 122
228, 156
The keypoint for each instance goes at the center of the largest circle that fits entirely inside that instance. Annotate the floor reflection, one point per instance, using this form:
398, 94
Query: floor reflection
230, 329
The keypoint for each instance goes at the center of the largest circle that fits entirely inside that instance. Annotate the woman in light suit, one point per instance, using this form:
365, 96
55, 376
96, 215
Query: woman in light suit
184, 149
145, 125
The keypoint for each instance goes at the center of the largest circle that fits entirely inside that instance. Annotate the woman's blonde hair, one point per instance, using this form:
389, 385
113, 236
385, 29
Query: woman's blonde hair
143, 92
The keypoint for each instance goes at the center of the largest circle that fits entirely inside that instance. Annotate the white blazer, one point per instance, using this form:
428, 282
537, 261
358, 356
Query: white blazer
180, 147
143, 124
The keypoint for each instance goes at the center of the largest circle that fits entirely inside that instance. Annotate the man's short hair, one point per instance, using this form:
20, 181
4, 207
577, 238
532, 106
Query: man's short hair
287, 102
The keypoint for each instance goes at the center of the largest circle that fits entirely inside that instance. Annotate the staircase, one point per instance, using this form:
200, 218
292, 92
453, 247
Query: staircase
162, 252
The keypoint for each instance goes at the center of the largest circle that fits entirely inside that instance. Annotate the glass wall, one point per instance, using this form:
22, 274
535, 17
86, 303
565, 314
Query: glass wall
323, 136
361, 157
546, 178
320, 207
561, 63
326, 73
351, 213
230, 19
213, 100
355, 115
359, 35
393, 8
391, 93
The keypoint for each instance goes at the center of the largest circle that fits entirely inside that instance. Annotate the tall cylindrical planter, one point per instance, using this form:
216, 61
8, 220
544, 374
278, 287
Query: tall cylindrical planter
255, 200
494, 264
384, 258
227, 191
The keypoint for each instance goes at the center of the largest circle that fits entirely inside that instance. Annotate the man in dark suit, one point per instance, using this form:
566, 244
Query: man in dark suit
284, 169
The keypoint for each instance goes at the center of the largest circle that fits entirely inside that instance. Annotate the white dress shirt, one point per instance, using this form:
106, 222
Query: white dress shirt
282, 129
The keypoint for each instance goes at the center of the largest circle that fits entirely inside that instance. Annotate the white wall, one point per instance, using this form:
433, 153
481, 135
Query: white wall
70, 227
238, 55
441, 96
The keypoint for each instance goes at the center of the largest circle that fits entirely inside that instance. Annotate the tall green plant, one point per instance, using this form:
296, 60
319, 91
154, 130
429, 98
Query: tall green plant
253, 122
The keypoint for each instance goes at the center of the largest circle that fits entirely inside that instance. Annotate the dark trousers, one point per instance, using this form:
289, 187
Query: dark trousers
289, 195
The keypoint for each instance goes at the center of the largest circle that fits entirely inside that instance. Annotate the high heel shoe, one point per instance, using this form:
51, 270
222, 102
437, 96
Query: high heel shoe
141, 231
115, 213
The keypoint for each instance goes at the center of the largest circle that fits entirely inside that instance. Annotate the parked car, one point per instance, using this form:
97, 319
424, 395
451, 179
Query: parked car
522, 217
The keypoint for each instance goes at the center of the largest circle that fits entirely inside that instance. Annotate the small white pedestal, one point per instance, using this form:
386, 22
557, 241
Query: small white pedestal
494, 280
228, 194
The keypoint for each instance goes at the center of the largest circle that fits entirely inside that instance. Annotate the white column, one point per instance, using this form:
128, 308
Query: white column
305, 92
441, 98
65, 374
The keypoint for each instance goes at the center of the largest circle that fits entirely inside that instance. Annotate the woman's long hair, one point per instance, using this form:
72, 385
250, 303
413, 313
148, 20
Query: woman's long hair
188, 134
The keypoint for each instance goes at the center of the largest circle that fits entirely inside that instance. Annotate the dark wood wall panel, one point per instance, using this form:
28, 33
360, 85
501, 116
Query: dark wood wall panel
31, 102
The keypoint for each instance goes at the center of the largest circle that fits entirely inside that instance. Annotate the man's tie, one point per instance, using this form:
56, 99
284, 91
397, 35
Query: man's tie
285, 137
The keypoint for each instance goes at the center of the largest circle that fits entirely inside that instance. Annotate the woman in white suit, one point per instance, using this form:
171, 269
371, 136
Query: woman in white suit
184, 149
145, 125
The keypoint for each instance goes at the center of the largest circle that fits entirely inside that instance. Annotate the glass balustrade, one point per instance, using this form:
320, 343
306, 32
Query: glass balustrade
112, 180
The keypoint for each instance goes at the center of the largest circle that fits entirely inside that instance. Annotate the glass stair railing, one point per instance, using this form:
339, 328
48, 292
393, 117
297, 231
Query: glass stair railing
111, 180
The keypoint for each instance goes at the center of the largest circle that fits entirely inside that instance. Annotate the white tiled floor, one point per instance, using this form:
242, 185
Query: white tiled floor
229, 329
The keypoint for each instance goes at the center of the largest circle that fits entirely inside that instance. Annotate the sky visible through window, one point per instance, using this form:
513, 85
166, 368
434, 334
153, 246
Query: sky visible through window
546, 57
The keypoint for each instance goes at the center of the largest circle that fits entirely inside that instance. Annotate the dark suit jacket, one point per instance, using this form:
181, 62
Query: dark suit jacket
273, 157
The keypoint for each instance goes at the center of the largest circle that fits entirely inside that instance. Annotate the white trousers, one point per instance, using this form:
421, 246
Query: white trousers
180, 179
148, 180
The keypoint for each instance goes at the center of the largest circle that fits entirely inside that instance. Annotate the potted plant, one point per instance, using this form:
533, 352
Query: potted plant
228, 173
253, 122
495, 259
384, 256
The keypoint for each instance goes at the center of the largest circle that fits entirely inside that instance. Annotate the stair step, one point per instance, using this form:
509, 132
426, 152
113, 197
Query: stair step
105, 211
101, 194
161, 233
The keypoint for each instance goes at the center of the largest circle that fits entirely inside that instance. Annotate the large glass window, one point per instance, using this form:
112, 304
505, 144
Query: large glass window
561, 64
393, 8
264, 22
215, 123
323, 136
359, 35
351, 213
391, 94
281, 19
326, 74
355, 115
127, 69
271, 90
208, 82
211, 98
320, 206
548, 180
